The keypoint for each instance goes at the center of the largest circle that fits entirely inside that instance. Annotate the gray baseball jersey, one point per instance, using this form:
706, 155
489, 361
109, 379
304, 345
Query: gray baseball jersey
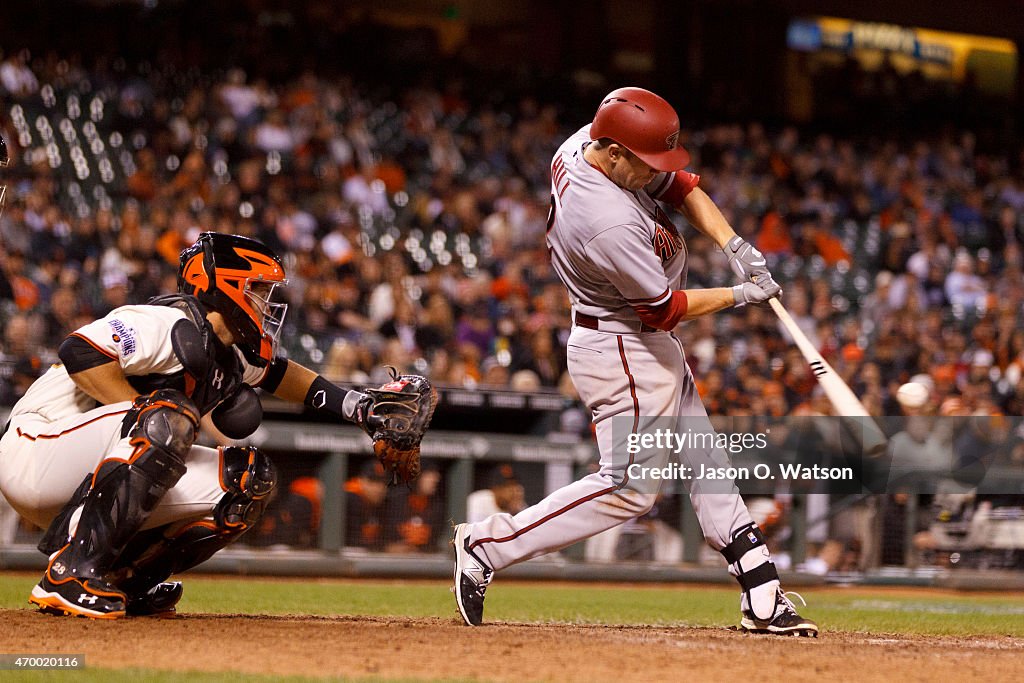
594, 231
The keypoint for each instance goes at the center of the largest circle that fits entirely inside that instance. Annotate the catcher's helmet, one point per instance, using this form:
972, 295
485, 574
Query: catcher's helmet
236, 276
643, 123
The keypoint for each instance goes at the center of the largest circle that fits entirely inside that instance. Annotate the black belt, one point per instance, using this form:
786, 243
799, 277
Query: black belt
592, 323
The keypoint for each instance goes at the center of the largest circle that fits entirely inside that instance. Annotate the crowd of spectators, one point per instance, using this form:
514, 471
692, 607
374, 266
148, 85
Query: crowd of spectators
412, 228
412, 223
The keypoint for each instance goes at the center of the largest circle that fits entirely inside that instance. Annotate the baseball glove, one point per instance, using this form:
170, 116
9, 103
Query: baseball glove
395, 416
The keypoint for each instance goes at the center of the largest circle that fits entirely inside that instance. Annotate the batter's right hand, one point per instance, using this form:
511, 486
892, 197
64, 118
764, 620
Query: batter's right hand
766, 282
749, 293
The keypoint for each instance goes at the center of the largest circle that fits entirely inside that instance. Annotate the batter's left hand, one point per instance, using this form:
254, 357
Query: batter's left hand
745, 260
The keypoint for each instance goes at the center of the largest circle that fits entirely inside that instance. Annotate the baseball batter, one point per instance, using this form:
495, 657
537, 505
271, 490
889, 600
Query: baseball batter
624, 265
100, 450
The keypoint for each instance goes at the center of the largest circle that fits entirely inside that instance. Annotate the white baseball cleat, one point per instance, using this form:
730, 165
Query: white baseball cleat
472, 575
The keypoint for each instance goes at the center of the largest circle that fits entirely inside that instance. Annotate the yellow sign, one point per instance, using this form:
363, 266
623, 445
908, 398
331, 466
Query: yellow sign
991, 61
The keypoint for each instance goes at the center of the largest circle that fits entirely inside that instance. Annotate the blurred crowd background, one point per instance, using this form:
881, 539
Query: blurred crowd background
409, 201
412, 226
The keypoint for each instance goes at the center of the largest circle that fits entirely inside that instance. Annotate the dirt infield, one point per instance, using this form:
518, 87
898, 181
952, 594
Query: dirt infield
443, 649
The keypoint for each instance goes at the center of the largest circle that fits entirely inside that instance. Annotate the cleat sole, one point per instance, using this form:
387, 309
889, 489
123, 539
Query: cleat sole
54, 605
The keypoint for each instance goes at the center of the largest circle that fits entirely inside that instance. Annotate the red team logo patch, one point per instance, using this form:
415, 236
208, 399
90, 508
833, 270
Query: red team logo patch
666, 242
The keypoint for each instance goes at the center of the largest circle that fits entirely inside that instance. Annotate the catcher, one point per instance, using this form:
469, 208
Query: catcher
101, 449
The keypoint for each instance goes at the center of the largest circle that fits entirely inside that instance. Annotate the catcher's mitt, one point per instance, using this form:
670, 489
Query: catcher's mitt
395, 416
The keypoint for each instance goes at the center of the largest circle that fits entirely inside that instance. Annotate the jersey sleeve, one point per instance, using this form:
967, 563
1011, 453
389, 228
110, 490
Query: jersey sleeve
138, 338
625, 256
251, 374
672, 188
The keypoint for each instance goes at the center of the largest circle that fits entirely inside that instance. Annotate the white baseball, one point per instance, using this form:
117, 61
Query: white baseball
912, 395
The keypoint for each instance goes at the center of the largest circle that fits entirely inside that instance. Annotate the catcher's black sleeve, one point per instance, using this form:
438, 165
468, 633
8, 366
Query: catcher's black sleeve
275, 373
78, 354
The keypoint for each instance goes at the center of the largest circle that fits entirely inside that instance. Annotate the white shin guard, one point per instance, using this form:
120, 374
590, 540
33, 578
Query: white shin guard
751, 563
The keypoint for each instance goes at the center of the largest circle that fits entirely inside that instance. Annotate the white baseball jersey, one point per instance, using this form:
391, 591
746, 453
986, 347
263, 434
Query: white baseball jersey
138, 338
58, 434
613, 248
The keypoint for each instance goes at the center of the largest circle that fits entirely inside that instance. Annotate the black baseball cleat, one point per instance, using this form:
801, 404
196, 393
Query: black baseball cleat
472, 575
158, 601
61, 594
785, 621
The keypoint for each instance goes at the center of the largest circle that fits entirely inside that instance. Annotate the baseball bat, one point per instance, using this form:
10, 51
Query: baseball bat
839, 394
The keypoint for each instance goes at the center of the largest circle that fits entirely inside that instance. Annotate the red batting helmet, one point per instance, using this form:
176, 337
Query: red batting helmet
643, 123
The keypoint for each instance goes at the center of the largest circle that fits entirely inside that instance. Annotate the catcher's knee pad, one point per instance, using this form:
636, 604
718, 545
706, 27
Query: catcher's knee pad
165, 420
248, 477
751, 564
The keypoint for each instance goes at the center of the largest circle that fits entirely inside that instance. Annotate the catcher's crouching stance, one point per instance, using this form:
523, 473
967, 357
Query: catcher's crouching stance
101, 449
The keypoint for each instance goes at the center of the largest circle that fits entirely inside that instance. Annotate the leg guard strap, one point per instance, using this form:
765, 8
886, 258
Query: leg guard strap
743, 541
758, 576
57, 534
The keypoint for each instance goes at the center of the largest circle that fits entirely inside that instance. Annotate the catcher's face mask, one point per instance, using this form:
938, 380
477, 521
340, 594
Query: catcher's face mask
4, 160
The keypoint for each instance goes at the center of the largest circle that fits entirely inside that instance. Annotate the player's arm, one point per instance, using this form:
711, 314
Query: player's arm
680, 189
296, 383
95, 370
704, 215
624, 255
693, 303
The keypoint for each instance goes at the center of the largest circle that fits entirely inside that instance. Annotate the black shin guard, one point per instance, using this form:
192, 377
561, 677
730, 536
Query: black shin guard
250, 478
57, 534
124, 493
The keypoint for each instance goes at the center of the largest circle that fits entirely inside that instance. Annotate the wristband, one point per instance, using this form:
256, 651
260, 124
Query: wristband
325, 396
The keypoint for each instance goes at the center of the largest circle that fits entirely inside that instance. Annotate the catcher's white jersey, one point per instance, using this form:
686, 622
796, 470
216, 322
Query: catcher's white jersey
613, 248
138, 338
58, 433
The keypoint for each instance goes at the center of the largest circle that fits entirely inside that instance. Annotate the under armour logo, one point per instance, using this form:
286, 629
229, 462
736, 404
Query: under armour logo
218, 378
320, 399
85, 597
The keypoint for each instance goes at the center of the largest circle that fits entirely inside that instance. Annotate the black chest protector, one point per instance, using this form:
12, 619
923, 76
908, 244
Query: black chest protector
211, 374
